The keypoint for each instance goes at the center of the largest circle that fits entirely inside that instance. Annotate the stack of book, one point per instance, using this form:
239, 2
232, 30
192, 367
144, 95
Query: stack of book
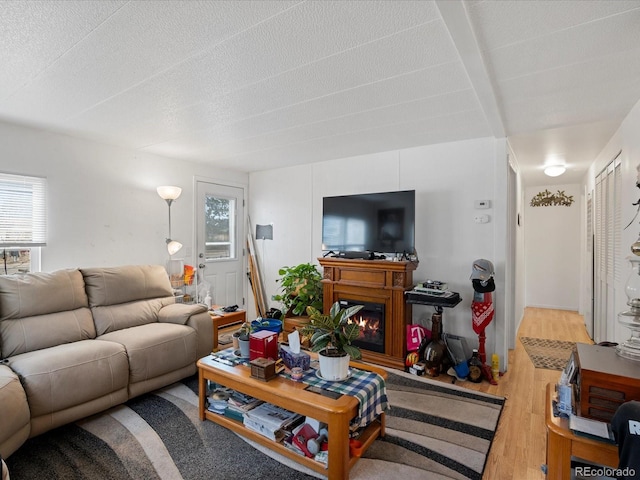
231, 403
271, 421
238, 404
217, 401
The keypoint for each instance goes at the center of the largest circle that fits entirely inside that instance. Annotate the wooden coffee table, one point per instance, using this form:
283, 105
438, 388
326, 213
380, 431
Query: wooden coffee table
285, 393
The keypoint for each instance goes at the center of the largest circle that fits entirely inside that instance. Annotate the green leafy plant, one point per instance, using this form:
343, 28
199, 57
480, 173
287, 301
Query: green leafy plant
245, 330
333, 332
300, 287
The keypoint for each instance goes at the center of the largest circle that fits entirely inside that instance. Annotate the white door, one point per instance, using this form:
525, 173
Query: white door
608, 276
220, 245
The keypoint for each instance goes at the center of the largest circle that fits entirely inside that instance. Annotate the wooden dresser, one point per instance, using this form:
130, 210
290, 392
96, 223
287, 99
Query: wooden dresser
605, 381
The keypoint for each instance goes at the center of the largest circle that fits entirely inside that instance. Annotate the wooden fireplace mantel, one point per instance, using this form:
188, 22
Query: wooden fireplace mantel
375, 281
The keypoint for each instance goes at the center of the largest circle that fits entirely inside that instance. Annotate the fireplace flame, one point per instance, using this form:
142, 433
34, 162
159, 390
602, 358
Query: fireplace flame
368, 326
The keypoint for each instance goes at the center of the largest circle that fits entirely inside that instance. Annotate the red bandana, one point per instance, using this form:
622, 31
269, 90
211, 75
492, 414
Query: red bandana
482, 313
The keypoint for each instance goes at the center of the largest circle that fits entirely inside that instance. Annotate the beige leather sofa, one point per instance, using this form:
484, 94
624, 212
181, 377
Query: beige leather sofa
77, 342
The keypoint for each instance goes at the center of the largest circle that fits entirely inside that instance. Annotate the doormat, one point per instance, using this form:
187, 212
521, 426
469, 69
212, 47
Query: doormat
549, 354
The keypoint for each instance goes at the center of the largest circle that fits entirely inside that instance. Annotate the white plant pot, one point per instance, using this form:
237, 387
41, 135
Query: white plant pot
334, 368
244, 348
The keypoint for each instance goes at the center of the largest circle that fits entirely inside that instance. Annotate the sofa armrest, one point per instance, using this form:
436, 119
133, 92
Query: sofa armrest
179, 312
194, 316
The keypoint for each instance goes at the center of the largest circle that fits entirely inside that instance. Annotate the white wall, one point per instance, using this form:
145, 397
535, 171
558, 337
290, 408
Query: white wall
627, 141
102, 202
552, 243
447, 179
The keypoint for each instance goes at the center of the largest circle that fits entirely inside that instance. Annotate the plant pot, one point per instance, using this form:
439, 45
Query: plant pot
333, 366
243, 343
234, 339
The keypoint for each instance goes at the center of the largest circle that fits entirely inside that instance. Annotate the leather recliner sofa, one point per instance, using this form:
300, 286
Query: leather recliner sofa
76, 342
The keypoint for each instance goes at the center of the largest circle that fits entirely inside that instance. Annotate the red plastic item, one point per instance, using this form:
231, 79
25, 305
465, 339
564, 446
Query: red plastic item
355, 448
301, 438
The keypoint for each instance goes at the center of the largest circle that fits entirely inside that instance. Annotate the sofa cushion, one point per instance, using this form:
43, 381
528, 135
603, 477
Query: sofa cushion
15, 419
40, 293
180, 312
155, 349
115, 285
42, 331
67, 375
110, 318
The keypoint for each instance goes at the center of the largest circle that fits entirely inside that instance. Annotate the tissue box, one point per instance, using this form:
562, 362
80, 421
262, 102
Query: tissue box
291, 359
263, 344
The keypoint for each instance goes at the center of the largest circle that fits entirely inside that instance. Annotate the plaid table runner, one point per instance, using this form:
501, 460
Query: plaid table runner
368, 387
228, 354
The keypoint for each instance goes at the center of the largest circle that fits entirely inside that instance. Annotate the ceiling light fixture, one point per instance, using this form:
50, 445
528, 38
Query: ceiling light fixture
554, 170
169, 194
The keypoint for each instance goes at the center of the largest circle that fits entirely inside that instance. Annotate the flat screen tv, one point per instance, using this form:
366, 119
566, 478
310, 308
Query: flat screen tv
374, 222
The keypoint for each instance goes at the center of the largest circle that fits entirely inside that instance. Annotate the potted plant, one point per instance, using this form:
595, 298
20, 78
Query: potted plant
301, 287
243, 338
331, 336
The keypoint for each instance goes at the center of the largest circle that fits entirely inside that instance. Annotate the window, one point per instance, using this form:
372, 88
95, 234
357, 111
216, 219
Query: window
220, 214
23, 221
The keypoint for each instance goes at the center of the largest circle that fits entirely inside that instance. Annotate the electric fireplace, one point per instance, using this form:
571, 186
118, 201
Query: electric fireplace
380, 286
371, 321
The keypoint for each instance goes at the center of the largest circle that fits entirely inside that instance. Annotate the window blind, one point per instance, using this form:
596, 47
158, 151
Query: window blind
23, 211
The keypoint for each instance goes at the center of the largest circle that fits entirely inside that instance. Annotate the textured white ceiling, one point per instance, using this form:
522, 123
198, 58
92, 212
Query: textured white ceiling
263, 84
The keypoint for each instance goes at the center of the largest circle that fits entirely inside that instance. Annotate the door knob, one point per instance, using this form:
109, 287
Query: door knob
202, 265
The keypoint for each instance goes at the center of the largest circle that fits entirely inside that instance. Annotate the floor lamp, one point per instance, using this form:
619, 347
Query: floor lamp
169, 194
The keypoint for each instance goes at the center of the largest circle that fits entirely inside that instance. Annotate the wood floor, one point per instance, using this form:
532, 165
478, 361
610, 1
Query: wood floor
519, 447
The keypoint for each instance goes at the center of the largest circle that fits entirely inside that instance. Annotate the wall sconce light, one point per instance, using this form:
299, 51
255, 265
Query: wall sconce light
169, 194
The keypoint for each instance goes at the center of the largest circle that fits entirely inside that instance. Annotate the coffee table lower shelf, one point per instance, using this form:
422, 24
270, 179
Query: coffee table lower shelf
367, 437
336, 413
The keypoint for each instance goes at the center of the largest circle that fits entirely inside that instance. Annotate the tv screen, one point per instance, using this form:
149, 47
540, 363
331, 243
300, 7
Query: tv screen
375, 222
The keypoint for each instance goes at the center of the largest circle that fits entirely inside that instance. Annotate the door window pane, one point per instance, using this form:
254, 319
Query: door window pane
220, 214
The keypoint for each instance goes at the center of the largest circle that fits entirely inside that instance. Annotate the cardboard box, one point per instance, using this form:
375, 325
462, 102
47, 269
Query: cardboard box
263, 344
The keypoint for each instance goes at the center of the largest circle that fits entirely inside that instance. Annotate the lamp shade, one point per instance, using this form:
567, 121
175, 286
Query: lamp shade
168, 192
173, 247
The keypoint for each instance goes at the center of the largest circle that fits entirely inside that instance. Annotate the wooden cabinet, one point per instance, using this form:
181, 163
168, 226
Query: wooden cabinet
292, 323
605, 381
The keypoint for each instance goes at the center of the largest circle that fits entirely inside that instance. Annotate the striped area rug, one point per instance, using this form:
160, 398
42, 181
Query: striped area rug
434, 431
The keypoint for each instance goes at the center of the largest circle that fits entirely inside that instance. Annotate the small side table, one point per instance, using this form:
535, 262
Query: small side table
439, 303
562, 444
223, 319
